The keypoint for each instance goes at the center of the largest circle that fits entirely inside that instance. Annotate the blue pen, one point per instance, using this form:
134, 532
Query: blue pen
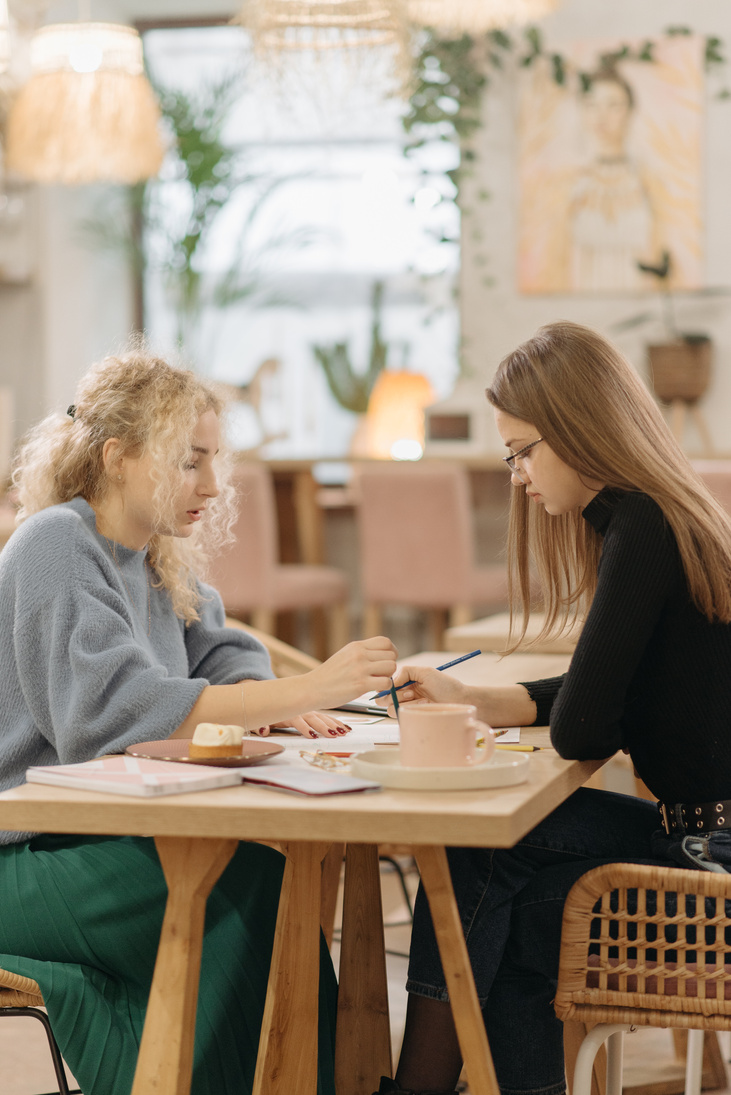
447, 665
394, 697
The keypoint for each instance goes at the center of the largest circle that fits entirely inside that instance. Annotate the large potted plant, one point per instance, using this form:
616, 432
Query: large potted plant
352, 389
680, 367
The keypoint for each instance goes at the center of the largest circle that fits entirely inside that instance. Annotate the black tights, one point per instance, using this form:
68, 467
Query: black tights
430, 1036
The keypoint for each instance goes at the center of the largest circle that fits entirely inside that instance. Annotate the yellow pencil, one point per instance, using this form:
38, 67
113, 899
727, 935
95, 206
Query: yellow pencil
518, 748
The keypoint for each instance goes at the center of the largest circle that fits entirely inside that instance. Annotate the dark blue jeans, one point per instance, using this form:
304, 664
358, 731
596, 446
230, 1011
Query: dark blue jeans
511, 903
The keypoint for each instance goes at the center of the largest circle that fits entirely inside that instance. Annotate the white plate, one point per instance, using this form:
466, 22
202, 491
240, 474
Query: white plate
384, 766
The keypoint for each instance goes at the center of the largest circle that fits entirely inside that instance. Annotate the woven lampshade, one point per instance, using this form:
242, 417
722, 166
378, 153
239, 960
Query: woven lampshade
88, 112
277, 25
477, 16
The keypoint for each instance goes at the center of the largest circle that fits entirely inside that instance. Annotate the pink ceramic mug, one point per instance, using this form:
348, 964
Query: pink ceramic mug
443, 735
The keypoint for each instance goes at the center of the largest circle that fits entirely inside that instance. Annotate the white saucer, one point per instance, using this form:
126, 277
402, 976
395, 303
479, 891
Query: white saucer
503, 770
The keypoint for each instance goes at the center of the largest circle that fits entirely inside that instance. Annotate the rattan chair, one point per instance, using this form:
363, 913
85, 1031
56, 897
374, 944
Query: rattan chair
644, 946
22, 996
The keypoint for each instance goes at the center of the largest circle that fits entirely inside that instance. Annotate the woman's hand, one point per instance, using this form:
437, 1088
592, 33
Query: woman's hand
313, 724
430, 686
365, 666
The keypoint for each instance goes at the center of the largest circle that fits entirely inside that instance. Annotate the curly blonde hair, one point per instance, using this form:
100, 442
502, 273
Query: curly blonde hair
151, 407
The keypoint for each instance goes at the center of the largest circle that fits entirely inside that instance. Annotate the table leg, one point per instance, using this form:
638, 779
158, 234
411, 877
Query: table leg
331, 869
192, 866
287, 1061
363, 1043
434, 871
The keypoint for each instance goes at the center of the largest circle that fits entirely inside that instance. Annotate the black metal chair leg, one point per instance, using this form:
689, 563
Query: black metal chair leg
36, 1013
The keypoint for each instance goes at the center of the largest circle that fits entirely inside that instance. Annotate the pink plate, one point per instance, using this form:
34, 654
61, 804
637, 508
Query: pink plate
254, 752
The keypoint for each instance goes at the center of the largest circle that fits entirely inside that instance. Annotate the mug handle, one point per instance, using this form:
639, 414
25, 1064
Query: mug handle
484, 752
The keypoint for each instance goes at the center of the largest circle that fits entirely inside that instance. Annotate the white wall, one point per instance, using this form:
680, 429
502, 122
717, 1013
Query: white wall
495, 319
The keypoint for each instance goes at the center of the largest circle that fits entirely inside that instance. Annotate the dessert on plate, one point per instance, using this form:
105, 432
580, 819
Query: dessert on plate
212, 739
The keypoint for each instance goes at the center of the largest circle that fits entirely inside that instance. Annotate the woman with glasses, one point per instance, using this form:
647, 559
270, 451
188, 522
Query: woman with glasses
623, 532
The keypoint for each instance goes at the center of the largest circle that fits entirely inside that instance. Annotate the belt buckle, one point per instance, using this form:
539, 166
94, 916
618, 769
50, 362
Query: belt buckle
665, 818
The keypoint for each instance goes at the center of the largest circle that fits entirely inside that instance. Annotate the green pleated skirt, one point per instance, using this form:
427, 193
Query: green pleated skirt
82, 916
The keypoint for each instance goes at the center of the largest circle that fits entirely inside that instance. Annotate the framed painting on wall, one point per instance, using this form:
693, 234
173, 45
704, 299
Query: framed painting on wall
610, 169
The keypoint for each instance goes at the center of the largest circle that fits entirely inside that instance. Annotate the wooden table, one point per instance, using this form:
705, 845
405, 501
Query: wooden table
196, 836
492, 633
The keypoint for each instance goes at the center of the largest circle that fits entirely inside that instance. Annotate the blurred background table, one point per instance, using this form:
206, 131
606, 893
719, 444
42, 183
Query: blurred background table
492, 634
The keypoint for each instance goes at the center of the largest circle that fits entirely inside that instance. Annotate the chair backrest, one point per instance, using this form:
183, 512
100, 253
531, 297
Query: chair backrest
415, 533
287, 661
716, 474
641, 941
244, 573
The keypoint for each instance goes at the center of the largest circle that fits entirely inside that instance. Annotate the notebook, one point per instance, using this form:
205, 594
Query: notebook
125, 775
308, 781
364, 705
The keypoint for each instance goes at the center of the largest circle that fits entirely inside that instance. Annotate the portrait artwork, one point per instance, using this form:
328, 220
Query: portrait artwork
610, 169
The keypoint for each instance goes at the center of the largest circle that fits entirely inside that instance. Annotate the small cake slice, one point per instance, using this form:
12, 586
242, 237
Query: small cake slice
211, 739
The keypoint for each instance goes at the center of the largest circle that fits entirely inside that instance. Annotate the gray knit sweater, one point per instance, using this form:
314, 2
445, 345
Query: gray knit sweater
81, 676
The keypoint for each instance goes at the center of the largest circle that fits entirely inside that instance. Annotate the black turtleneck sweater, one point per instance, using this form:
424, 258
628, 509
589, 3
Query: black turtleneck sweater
650, 674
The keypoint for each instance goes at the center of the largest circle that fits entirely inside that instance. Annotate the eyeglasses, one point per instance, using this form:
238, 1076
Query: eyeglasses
329, 761
510, 460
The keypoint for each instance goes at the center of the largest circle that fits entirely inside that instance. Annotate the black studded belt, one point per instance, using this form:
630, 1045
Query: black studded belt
695, 817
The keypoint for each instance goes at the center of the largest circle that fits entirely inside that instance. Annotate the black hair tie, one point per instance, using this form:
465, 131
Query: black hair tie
71, 411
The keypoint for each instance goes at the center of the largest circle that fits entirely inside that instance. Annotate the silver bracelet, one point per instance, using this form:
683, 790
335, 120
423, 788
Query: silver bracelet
243, 707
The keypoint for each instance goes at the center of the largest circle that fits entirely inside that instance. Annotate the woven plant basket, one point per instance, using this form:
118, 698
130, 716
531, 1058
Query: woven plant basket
681, 370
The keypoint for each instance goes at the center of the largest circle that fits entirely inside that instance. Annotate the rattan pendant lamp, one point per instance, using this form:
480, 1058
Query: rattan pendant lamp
88, 112
322, 24
325, 45
452, 17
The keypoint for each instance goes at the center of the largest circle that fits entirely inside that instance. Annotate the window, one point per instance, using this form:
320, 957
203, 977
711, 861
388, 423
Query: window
331, 207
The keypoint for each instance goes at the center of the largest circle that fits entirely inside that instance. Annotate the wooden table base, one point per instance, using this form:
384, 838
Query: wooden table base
192, 866
437, 882
363, 1045
287, 1061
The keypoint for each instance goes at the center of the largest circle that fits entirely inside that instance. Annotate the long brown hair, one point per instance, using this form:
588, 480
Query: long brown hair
151, 407
588, 403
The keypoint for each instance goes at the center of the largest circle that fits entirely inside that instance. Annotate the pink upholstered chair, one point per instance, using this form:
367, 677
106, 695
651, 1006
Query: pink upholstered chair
250, 578
416, 545
716, 474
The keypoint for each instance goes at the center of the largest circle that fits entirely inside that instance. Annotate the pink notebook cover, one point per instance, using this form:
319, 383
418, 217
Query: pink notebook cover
125, 775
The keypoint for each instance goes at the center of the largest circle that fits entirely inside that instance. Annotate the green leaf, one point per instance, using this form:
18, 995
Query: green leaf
713, 55
351, 389
558, 69
533, 36
501, 39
